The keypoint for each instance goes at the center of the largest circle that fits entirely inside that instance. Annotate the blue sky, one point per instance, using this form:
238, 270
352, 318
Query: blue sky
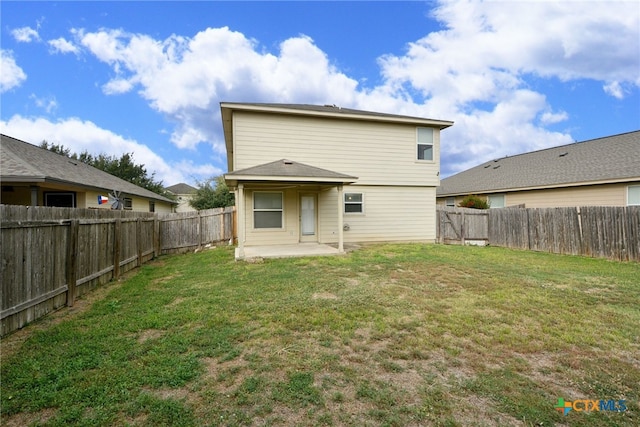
148, 77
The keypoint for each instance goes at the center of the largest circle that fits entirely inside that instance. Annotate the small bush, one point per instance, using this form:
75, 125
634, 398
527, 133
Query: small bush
474, 202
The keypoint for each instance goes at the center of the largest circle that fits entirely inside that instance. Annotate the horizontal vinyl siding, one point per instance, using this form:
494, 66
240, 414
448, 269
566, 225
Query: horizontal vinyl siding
287, 235
377, 153
390, 214
593, 195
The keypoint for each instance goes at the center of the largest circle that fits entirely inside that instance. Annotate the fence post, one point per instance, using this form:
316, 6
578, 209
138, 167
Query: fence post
139, 239
72, 261
222, 217
199, 230
156, 236
116, 248
462, 228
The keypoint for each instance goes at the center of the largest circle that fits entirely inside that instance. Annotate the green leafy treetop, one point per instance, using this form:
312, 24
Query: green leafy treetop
212, 193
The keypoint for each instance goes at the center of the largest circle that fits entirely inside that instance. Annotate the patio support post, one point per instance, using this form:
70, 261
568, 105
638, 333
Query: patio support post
241, 216
340, 221
34, 195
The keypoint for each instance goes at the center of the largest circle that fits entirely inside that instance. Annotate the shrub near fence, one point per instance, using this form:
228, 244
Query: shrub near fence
52, 255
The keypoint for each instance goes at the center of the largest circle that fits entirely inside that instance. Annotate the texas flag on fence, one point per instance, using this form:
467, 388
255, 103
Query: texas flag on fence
102, 200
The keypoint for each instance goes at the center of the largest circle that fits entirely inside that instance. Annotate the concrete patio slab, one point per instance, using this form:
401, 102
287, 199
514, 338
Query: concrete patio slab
286, 251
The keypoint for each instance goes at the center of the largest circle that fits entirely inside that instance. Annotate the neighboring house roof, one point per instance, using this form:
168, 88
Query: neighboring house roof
327, 111
24, 162
288, 171
181, 188
603, 160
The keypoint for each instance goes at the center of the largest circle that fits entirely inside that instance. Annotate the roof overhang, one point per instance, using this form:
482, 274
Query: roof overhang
540, 187
72, 186
289, 172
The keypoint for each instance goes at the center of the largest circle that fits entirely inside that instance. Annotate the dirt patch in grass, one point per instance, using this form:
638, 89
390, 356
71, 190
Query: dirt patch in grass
324, 295
149, 334
170, 393
477, 411
28, 418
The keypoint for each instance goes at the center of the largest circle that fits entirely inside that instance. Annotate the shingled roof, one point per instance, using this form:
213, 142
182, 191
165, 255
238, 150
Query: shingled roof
24, 162
288, 170
181, 188
597, 161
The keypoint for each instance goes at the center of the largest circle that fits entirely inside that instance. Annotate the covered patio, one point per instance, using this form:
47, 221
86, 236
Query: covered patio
296, 216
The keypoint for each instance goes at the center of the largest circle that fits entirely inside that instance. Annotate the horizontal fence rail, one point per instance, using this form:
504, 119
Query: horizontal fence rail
611, 232
50, 256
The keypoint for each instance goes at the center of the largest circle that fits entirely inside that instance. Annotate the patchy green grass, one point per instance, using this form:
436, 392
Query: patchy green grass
389, 335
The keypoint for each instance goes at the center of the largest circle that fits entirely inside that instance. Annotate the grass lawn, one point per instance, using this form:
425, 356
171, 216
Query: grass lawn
395, 335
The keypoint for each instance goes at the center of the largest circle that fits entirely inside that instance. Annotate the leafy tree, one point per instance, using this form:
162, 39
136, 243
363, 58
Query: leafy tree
212, 193
58, 148
474, 202
122, 167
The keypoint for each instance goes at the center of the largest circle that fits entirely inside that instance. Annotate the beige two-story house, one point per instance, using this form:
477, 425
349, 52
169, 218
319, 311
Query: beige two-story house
325, 174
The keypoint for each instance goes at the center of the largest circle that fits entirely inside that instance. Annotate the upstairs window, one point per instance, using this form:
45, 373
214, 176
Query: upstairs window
425, 143
353, 203
267, 210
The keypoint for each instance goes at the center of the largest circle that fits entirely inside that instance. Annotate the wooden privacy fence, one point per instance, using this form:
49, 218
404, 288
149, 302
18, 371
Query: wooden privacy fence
50, 256
180, 232
598, 231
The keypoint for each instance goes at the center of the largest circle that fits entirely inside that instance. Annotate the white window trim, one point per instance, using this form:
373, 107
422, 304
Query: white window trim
432, 144
253, 211
344, 203
629, 187
446, 202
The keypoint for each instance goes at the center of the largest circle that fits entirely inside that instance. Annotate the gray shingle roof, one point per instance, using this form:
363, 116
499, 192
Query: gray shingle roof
181, 188
24, 162
609, 159
289, 168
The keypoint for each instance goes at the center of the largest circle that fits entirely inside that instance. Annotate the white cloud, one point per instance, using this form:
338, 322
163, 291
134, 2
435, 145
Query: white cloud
61, 45
79, 135
475, 71
216, 64
549, 117
49, 104
488, 51
197, 173
11, 75
614, 89
117, 86
25, 35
